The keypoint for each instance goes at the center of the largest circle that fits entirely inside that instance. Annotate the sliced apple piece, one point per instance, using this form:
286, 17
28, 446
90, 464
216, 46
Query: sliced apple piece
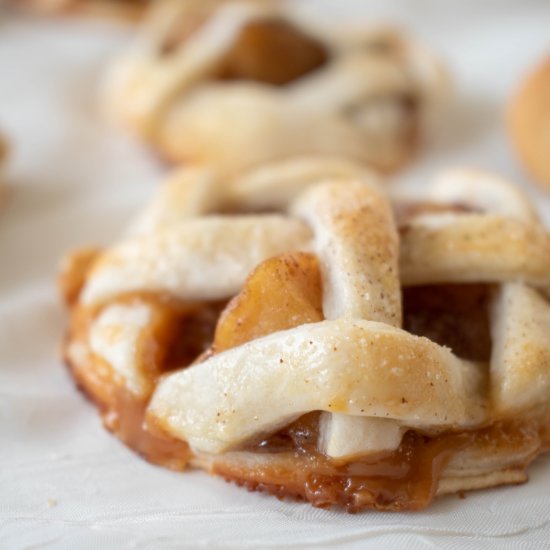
281, 293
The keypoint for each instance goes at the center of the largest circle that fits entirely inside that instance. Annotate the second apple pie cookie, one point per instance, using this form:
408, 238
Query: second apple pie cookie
529, 117
294, 332
236, 84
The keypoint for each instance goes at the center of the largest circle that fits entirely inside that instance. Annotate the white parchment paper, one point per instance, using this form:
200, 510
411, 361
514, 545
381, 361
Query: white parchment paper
64, 481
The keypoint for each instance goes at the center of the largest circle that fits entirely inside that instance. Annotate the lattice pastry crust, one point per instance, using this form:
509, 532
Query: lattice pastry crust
237, 84
372, 354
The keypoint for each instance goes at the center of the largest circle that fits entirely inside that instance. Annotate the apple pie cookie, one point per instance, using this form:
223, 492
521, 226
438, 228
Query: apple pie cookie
237, 84
293, 331
529, 117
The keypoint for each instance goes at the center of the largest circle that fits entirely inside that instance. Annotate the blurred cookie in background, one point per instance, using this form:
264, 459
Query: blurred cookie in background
237, 84
529, 121
122, 10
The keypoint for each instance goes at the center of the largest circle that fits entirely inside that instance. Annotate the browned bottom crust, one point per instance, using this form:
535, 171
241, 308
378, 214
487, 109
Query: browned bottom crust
4, 196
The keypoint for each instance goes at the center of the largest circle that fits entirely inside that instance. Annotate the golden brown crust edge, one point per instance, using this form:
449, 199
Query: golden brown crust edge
4, 153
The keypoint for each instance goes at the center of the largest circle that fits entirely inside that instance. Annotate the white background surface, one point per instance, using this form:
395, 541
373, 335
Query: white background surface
65, 482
